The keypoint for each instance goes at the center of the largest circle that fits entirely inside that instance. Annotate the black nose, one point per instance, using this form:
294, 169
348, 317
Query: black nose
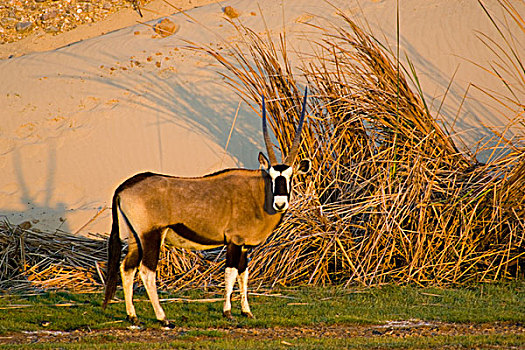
280, 206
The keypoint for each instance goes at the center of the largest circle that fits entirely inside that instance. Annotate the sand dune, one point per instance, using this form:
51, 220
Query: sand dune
79, 119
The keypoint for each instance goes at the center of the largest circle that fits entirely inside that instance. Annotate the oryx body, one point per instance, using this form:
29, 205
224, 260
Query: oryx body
238, 208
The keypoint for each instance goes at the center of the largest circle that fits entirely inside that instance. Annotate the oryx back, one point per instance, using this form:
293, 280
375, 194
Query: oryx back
199, 213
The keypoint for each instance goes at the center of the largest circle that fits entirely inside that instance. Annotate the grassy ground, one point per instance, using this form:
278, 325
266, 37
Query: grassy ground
484, 315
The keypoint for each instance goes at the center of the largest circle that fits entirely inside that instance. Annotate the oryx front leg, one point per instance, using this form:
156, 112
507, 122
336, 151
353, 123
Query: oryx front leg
147, 270
233, 255
230, 275
236, 269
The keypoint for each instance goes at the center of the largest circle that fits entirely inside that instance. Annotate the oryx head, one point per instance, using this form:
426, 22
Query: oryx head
281, 173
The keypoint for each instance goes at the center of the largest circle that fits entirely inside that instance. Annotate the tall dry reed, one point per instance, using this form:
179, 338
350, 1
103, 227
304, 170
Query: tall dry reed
391, 198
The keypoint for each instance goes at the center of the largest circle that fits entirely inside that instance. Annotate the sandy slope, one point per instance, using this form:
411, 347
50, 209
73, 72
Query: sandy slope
79, 119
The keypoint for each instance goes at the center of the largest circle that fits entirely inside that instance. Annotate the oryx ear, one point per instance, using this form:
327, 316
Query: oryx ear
263, 161
304, 167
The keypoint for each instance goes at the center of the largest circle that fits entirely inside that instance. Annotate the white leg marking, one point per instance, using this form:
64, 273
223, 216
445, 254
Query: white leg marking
243, 286
127, 285
148, 278
230, 275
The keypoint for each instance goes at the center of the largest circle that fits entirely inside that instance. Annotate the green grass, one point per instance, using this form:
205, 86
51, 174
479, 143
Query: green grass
279, 308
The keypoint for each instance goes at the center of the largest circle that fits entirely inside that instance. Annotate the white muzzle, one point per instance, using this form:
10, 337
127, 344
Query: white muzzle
280, 203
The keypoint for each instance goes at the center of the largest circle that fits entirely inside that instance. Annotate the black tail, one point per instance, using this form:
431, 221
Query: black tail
114, 252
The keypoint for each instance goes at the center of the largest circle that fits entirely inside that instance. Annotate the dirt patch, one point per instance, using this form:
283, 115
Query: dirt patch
403, 329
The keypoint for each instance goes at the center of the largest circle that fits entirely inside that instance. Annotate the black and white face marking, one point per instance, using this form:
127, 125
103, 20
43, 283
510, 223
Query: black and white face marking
281, 175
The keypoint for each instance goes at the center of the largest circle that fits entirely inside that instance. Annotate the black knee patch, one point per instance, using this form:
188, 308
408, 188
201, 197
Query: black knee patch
233, 255
243, 261
237, 257
132, 259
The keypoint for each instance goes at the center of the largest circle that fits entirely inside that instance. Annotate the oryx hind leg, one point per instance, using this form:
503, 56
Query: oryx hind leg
152, 244
128, 268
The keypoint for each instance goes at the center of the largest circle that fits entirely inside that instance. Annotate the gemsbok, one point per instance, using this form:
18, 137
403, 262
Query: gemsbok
238, 208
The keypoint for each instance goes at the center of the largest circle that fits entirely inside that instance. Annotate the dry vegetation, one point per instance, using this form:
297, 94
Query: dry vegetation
32, 259
391, 199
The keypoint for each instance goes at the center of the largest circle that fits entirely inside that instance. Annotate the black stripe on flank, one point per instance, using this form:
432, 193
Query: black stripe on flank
187, 233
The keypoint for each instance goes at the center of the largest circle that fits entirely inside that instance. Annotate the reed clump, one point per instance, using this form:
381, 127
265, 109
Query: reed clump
34, 260
392, 199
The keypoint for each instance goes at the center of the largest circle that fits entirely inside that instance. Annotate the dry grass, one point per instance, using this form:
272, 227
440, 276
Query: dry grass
31, 259
390, 200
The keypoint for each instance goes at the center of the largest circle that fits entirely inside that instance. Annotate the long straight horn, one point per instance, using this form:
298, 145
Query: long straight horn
267, 141
297, 138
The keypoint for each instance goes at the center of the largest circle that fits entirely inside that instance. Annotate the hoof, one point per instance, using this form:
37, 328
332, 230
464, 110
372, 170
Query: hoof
227, 314
133, 320
166, 324
135, 323
247, 314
